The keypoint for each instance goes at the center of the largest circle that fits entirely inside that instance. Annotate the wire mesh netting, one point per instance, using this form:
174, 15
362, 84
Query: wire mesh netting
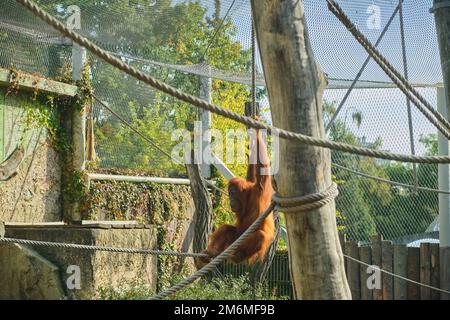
180, 41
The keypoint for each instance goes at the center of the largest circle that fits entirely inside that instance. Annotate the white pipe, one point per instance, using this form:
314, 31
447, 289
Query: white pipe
223, 169
111, 177
443, 169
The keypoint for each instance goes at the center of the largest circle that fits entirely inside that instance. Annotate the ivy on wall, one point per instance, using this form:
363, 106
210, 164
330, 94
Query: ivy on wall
164, 206
54, 113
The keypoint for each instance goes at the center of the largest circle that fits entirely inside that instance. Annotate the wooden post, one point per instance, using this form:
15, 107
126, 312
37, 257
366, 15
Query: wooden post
377, 261
387, 264
400, 268
342, 242
441, 10
365, 255
353, 275
435, 273
413, 273
295, 85
203, 208
425, 271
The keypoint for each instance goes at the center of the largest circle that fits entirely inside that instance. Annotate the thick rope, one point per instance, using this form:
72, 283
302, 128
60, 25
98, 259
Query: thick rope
360, 72
305, 203
159, 85
226, 254
99, 248
411, 93
234, 116
154, 144
396, 275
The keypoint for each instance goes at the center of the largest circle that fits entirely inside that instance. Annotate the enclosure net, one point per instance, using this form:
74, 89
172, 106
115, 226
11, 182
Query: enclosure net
180, 41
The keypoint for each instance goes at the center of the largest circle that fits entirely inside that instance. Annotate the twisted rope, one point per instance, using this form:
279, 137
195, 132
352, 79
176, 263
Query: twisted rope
161, 86
411, 93
299, 204
99, 248
360, 72
226, 254
305, 203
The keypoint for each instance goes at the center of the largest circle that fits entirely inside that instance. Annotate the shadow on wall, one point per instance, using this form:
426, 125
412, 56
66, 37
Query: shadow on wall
33, 195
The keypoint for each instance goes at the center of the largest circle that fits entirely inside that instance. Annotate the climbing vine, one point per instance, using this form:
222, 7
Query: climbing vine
52, 112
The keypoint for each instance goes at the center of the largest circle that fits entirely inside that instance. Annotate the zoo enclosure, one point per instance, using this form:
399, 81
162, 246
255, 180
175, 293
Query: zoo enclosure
374, 106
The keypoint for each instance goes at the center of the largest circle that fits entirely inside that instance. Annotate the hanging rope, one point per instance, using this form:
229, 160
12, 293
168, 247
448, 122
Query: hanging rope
150, 141
161, 86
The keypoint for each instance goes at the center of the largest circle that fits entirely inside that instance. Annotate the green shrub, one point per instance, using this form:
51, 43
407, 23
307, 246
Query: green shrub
226, 288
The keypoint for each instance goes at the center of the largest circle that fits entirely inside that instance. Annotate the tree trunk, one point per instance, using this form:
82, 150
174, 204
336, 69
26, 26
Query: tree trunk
203, 209
295, 85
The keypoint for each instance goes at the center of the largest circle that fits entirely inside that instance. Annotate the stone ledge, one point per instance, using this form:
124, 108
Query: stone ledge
99, 269
86, 224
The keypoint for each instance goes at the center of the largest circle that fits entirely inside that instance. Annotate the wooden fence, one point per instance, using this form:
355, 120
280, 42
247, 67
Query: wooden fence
418, 264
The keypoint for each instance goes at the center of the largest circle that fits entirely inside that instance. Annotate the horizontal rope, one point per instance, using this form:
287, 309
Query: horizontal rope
99, 248
161, 86
394, 183
305, 203
396, 275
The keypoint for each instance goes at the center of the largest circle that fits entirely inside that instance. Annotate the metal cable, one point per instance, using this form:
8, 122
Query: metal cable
126, 123
150, 141
408, 102
217, 30
161, 86
368, 176
99, 248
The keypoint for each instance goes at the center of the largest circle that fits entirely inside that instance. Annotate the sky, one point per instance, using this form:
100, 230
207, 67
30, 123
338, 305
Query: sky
341, 56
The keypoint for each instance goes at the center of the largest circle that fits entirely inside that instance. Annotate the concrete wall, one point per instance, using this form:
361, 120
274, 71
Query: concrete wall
33, 195
24, 276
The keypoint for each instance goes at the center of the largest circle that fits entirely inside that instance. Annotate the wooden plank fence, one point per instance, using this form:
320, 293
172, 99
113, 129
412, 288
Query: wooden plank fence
418, 264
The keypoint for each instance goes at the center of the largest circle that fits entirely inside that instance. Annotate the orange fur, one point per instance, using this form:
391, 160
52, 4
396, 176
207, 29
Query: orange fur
249, 198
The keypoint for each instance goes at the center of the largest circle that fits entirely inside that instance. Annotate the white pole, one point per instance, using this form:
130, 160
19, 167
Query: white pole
78, 119
444, 199
206, 119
